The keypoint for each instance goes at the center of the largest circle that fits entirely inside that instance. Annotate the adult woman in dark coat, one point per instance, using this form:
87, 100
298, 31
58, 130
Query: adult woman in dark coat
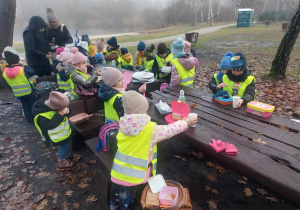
36, 46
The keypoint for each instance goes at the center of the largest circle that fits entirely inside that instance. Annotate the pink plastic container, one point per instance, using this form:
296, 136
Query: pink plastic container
168, 196
59, 50
260, 109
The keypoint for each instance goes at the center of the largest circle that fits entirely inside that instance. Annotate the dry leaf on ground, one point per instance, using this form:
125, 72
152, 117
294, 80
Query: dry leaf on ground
248, 192
259, 141
198, 155
43, 205
91, 198
92, 162
69, 193
207, 188
210, 164
83, 185
210, 178
220, 169
212, 204
64, 205
55, 197
242, 182
245, 178
262, 191
76, 205
274, 200
214, 191
193, 105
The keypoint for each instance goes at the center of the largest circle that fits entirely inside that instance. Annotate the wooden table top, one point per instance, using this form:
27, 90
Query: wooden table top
275, 165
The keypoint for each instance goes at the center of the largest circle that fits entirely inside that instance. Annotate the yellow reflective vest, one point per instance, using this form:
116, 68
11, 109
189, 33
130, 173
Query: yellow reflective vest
237, 88
110, 62
60, 133
109, 111
66, 86
217, 81
149, 65
20, 84
142, 61
186, 78
72, 83
131, 160
124, 63
163, 62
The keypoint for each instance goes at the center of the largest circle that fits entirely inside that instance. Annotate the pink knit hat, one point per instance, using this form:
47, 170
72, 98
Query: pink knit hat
100, 44
111, 75
57, 101
187, 46
77, 56
65, 56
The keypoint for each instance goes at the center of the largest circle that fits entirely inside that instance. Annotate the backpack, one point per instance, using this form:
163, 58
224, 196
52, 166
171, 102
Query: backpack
104, 134
43, 89
92, 59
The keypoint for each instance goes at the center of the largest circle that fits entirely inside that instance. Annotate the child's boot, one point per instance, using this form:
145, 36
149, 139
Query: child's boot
65, 164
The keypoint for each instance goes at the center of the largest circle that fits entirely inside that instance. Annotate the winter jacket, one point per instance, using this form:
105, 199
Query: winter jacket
187, 62
36, 46
133, 124
61, 70
155, 67
12, 71
105, 93
92, 50
127, 58
46, 124
138, 55
212, 85
113, 56
249, 93
77, 78
62, 37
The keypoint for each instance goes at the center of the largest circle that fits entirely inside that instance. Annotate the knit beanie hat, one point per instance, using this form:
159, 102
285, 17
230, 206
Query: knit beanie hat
111, 75
51, 16
224, 65
178, 47
65, 56
100, 44
162, 48
77, 56
187, 46
11, 55
141, 46
113, 42
238, 62
124, 50
93, 42
149, 51
57, 101
134, 103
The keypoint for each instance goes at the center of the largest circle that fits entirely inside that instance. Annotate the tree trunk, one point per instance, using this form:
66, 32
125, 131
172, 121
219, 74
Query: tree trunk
266, 1
282, 57
7, 17
201, 6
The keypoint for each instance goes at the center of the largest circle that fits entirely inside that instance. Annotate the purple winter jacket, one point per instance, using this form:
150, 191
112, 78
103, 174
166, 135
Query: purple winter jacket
188, 62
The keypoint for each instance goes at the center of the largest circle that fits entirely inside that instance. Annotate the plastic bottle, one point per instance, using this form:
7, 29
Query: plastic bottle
53, 45
104, 62
181, 96
113, 63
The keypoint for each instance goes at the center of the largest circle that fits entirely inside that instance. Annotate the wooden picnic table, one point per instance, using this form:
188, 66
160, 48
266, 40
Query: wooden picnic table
275, 165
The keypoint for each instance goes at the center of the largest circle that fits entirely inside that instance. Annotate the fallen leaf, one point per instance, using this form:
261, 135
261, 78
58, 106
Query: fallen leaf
64, 205
39, 198
92, 162
8, 139
245, 178
207, 188
76, 205
176, 156
184, 159
49, 193
262, 191
259, 141
242, 182
83, 185
212, 204
198, 155
248, 192
220, 169
69, 193
210, 178
210, 164
91, 198
43, 205
260, 134
214, 191
55, 197
274, 200
193, 105
76, 157
53, 208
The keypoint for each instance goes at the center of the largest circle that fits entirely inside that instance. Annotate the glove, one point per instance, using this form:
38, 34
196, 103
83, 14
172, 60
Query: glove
231, 149
218, 146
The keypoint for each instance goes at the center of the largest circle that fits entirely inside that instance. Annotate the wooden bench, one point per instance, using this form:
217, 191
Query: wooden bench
275, 165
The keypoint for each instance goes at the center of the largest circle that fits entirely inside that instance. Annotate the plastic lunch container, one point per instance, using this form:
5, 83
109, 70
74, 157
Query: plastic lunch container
260, 109
168, 196
223, 101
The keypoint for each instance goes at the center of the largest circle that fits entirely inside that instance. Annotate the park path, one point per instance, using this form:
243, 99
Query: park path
201, 31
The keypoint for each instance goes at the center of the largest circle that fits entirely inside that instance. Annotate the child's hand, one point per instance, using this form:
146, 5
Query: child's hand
221, 85
241, 101
143, 88
97, 72
190, 121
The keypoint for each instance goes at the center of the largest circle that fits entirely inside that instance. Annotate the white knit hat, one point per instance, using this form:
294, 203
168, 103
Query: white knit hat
51, 16
134, 103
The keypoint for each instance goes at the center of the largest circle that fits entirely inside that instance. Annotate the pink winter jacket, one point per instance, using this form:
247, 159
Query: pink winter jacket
188, 62
133, 124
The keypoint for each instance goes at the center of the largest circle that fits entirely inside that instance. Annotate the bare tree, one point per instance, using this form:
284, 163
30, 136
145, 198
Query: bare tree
218, 12
174, 7
194, 7
7, 13
282, 57
244, 3
210, 14
266, 1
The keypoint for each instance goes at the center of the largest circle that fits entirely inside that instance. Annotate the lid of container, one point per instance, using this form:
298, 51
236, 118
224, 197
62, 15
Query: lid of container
262, 107
156, 183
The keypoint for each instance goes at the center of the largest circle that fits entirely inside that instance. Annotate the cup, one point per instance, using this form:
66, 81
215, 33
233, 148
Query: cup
193, 115
235, 101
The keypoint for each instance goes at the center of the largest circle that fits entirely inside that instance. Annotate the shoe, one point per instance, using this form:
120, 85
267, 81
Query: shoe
65, 164
69, 157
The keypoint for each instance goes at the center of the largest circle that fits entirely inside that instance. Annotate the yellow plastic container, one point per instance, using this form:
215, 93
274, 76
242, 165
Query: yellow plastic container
260, 109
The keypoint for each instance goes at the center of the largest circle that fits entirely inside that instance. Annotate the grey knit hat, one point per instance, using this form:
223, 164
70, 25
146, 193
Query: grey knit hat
134, 103
51, 16
57, 101
111, 75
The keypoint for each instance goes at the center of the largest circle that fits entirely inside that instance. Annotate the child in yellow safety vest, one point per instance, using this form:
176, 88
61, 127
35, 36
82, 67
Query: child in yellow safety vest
163, 58
183, 65
113, 52
92, 48
224, 67
136, 157
238, 81
126, 59
63, 81
17, 77
53, 125
149, 55
140, 59
77, 71
110, 92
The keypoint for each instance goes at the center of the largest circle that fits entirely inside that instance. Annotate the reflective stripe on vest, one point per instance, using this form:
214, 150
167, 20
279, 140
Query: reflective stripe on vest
60, 133
131, 160
110, 62
237, 88
20, 84
186, 78
217, 81
72, 83
109, 111
66, 86
124, 63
